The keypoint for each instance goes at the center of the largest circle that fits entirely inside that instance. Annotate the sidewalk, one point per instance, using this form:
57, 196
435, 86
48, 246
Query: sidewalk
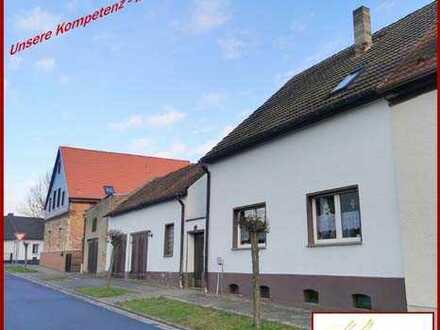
141, 289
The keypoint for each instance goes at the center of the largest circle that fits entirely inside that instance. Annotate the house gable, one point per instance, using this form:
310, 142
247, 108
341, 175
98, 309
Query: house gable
57, 199
81, 175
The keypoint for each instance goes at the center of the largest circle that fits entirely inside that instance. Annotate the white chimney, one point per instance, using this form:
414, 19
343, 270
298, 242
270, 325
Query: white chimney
362, 29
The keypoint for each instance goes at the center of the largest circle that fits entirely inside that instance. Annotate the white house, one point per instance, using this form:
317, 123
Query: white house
412, 97
340, 162
21, 234
164, 223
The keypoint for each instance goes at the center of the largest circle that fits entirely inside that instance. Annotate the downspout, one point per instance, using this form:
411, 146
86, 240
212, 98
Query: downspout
83, 243
208, 204
182, 230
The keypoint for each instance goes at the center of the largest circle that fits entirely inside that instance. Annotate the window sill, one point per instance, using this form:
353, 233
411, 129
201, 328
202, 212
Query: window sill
244, 248
168, 256
314, 245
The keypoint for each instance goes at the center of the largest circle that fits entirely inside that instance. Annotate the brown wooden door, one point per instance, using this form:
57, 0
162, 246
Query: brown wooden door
198, 258
139, 254
92, 262
119, 264
68, 266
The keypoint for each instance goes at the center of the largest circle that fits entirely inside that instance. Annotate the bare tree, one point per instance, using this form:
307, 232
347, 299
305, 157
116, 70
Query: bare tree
33, 206
255, 225
116, 239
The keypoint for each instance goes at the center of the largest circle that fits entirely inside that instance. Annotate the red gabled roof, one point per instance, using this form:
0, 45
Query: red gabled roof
88, 171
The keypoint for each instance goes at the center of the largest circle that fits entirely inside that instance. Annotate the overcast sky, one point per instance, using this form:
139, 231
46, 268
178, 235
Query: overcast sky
160, 77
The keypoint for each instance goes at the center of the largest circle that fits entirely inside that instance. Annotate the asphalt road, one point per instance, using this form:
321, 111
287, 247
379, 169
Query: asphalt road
29, 306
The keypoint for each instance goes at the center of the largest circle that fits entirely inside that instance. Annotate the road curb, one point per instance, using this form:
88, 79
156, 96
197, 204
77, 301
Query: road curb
138, 316
165, 325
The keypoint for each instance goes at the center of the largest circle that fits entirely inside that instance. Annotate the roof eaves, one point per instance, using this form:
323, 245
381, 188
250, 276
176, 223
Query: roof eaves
289, 127
144, 205
410, 87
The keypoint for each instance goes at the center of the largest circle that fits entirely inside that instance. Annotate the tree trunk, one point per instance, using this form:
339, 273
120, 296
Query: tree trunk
110, 270
255, 283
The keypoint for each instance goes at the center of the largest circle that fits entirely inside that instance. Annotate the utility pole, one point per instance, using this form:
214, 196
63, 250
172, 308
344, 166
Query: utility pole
26, 244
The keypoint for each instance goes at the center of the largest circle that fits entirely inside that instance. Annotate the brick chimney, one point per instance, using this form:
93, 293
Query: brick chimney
362, 29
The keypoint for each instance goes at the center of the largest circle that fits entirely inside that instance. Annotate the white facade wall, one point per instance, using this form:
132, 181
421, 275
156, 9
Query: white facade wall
16, 248
154, 218
195, 212
195, 201
348, 149
414, 140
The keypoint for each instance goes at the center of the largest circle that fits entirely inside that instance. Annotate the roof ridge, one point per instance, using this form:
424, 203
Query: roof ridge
122, 153
143, 185
415, 12
121, 207
302, 98
327, 59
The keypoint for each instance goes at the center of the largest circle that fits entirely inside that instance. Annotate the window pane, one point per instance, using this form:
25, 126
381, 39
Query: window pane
244, 236
351, 220
261, 213
262, 238
169, 240
325, 214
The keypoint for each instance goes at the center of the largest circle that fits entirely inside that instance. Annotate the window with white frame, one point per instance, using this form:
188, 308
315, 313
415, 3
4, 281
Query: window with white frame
335, 216
241, 235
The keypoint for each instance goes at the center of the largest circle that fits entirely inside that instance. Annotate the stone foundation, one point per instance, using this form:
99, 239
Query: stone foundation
335, 292
57, 260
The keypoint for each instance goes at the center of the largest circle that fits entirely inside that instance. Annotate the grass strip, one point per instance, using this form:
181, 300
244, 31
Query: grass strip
194, 316
19, 269
102, 292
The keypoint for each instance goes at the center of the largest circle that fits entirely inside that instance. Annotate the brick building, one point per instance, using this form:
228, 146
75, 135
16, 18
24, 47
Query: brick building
80, 178
95, 234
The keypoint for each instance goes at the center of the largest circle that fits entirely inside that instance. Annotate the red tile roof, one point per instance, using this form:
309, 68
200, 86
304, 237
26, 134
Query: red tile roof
88, 171
420, 61
161, 189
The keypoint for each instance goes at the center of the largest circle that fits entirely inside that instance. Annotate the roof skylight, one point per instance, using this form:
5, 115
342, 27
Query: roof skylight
346, 81
109, 190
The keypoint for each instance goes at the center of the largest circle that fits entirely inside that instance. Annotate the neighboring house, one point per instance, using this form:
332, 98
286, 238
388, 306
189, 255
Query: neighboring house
164, 223
414, 135
80, 178
340, 162
96, 232
20, 232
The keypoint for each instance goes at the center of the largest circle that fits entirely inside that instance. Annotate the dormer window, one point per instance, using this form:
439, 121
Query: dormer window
346, 81
109, 190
